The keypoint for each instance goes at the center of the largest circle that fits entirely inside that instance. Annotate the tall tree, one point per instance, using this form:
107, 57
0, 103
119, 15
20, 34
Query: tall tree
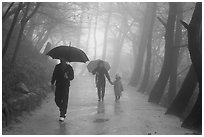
8, 37
80, 26
142, 46
95, 28
179, 104
11, 12
119, 44
24, 20
89, 32
194, 119
3, 18
40, 37
158, 89
44, 38
145, 80
31, 28
106, 30
175, 54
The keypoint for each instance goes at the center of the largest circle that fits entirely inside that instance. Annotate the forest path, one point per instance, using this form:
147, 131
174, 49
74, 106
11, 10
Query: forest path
131, 115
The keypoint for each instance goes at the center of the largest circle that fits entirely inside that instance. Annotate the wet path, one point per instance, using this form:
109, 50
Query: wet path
131, 115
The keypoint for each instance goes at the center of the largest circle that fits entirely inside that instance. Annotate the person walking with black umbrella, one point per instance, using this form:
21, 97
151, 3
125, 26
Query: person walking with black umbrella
62, 75
101, 73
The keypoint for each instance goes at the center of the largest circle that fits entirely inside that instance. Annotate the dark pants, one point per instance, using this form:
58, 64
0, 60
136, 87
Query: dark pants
61, 99
101, 90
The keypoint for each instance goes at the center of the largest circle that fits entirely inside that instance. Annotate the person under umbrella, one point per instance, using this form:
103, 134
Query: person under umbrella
101, 73
62, 75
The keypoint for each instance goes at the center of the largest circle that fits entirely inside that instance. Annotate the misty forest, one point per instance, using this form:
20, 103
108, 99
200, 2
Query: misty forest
152, 48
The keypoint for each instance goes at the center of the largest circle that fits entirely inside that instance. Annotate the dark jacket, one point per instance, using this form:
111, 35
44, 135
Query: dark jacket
58, 76
101, 73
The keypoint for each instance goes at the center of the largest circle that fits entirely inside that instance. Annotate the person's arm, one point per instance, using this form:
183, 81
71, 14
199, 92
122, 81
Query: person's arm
108, 77
70, 73
54, 76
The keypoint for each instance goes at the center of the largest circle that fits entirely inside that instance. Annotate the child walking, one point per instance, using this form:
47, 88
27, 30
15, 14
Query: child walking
118, 87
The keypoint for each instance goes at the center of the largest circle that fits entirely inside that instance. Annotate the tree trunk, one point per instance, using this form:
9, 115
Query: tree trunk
83, 69
194, 120
9, 34
158, 89
106, 31
30, 31
142, 46
80, 29
138, 66
145, 80
78, 41
179, 104
117, 52
44, 39
178, 38
3, 18
23, 24
95, 28
18, 43
125, 28
11, 12
195, 41
89, 34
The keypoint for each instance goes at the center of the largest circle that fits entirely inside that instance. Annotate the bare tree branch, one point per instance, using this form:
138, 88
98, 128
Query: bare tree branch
182, 46
162, 22
34, 11
7, 10
184, 24
12, 12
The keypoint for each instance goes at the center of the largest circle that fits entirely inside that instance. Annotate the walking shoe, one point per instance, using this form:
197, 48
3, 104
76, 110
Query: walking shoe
61, 119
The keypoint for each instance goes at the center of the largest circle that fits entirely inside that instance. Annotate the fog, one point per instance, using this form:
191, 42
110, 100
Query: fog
150, 45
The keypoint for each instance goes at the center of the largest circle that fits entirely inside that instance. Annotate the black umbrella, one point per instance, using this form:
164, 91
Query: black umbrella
70, 54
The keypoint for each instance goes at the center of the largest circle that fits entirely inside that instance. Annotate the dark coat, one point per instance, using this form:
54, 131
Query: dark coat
58, 76
101, 74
